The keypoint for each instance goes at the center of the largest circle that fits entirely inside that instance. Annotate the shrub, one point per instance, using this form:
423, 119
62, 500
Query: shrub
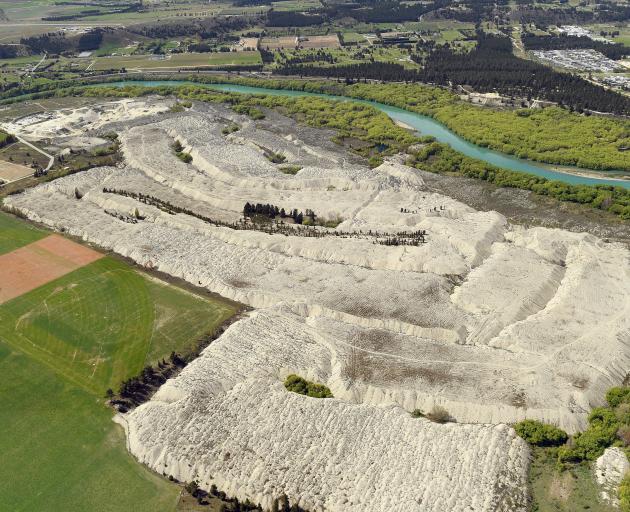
297, 384
623, 413
230, 129
276, 158
252, 112
601, 416
439, 415
417, 413
617, 395
290, 169
185, 157
540, 434
588, 445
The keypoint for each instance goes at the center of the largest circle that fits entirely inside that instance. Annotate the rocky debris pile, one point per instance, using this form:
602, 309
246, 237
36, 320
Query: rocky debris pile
490, 321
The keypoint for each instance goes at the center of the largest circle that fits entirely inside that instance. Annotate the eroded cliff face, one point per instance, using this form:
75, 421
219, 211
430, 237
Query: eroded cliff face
494, 322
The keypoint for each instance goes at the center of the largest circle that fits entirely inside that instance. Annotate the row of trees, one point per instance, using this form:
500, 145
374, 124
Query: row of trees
271, 211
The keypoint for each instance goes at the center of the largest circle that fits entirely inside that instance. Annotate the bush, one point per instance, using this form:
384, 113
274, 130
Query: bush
540, 434
417, 413
276, 158
185, 157
588, 445
616, 396
297, 384
439, 415
290, 169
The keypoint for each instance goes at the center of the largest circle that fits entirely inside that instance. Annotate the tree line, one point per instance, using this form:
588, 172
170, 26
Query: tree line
271, 211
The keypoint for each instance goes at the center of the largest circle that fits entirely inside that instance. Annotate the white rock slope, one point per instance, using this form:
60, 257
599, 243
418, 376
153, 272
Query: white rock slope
491, 321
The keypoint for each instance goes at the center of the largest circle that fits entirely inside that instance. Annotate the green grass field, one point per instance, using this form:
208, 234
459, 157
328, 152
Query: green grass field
61, 346
104, 322
15, 233
60, 450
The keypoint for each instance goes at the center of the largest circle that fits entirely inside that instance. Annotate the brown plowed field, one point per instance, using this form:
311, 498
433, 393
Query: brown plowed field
36, 264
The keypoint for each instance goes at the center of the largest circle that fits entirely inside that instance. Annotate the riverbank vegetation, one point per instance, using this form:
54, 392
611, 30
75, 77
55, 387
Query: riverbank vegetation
381, 137
442, 159
552, 135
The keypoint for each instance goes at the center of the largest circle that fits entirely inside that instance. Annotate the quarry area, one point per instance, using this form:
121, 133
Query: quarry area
394, 296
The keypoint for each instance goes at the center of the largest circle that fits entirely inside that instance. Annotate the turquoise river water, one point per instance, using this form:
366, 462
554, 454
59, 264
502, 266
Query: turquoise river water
422, 124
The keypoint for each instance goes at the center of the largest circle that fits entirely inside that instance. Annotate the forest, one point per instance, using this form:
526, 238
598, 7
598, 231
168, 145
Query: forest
292, 19
369, 11
491, 66
613, 51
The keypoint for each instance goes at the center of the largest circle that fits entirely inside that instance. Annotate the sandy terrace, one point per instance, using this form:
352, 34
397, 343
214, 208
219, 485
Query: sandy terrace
494, 322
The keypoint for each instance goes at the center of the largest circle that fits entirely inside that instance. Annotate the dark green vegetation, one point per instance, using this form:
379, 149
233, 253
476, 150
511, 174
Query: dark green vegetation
289, 169
297, 384
248, 110
561, 475
231, 128
540, 434
6, 139
180, 153
61, 346
276, 158
442, 159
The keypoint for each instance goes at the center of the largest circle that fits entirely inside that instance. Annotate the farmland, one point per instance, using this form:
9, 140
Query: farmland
178, 60
61, 346
15, 233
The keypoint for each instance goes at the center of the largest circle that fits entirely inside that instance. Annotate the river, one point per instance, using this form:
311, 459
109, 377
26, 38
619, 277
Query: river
424, 126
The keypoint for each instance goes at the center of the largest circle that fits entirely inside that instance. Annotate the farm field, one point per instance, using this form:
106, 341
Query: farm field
296, 5
81, 460
61, 346
15, 233
104, 322
179, 60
